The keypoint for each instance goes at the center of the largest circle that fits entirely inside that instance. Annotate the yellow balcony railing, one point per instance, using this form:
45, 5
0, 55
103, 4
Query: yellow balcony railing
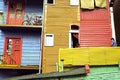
90, 56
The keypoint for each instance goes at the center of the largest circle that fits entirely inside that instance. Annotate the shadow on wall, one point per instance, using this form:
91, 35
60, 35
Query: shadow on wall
12, 73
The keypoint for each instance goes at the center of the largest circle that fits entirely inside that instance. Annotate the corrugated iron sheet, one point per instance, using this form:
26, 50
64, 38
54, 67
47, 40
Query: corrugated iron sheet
95, 35
95, 28
96, 14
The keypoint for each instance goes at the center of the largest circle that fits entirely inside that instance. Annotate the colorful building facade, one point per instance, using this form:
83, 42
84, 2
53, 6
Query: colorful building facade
95, 24
60, 19
32, 32
21, 25
74, 24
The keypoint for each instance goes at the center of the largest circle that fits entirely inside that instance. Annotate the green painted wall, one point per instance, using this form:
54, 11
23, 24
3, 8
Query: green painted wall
104, 73
96, 73
99, 73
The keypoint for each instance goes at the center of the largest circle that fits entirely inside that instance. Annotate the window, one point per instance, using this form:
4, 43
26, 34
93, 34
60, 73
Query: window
12, 50
74, 2
9, 46
74, 36
49, 40
15, 13
50, 1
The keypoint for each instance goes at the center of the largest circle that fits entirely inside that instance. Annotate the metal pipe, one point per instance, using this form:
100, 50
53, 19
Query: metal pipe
57, 67
62, 67
42, 34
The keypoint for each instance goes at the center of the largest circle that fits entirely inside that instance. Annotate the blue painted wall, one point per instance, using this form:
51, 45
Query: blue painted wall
1, 43
31, 8
2, 9
31, 40
31, 52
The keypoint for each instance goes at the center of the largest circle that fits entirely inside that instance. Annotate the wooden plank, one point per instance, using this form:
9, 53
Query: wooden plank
5, 66
90, 55
24, 26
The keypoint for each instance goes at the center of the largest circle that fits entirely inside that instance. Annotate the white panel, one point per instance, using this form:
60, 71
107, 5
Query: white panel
49, 40
74, 2
112, 23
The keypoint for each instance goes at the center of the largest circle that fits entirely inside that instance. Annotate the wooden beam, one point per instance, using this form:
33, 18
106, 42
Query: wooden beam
6, 66
22, 26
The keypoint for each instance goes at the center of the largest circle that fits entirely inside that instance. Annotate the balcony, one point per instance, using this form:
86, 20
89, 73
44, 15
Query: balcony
21, 14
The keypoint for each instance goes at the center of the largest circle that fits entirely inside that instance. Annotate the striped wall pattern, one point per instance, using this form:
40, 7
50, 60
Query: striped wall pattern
36, 8
31, 40
3, 8
1, 44
33, 8
99, 73
89, 55
95, 27
58, 19
31, 53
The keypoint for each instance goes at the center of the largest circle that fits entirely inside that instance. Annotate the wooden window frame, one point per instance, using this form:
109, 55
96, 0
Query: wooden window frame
5, 42
75, 2
46, 41
47, 2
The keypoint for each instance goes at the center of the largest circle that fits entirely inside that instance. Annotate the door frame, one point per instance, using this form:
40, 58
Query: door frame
8, 11
5, 45
70, 34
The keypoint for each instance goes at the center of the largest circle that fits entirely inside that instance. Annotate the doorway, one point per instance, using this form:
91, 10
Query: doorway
15, 13
12, 50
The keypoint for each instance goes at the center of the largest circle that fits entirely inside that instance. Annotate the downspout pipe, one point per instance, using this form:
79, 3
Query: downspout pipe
42, 36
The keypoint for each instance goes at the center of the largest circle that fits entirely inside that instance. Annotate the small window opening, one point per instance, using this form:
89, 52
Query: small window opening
74, 2
12, 6
74, 36
111, 3
75, 40
74, 27
50, 1
9, 47
49, 39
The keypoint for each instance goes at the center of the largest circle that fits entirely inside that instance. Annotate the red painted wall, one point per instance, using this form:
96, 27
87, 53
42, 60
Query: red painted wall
95, 27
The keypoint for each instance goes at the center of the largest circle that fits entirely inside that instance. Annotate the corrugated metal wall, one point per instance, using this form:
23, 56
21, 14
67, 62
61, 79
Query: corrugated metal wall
33, 8
1, 35
1, 43
36, 8
103, 73
99, 73
1, 6
95, 27
30, 48
3, 9
31, 40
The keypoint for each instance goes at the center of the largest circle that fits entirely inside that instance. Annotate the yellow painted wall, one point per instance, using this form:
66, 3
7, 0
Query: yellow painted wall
89, 55
58, 19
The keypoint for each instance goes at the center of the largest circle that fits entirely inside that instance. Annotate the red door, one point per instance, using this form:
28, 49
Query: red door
12, 50
15, 13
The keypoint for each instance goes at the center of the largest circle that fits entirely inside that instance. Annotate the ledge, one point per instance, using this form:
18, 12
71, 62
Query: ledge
28, 67
7, 27
19, 26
